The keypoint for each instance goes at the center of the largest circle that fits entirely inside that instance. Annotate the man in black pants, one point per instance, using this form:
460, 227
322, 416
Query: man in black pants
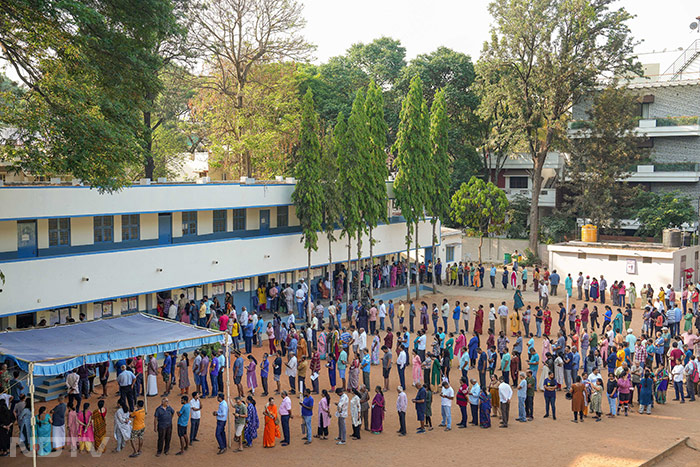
163, 425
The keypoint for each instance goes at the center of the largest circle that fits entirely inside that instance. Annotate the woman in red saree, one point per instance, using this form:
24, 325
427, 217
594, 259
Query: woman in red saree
479, 320
547, 321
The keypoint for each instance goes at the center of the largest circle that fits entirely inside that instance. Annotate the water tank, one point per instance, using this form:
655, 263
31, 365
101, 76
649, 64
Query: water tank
672, 238
589, 233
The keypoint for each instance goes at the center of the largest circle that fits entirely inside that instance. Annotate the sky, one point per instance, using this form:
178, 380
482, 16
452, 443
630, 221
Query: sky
463, 25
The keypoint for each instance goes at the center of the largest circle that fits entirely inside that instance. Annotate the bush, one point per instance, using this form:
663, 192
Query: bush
531, 258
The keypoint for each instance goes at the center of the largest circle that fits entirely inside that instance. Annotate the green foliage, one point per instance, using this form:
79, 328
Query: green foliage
308, 192
599, 162
332, 202
480, 208
374, 199
659, 211
557, 227
518, 214
412, 148
438, 205
87, 68
353, 145
382, 60
531, 259
556, 51
678, 121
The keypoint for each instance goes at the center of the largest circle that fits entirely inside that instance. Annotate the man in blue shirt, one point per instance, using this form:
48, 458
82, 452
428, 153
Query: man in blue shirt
264, 372
307, 406
554, 281
492, 276
568, 367
221, 417
238, 372
366, 365
183, 419
456, 316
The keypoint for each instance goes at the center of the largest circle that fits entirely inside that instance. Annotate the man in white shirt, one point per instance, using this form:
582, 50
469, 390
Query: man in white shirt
291, 371
172, 311
331, 316
505, 394
362, 340
492, 318
445, 313
544, 294
300, 301
401, 360
466, 314
446, 396
422, 341
689, 384
503, 317
355, 340
341, 413
243, 321
196, 415
382, 314
677, 374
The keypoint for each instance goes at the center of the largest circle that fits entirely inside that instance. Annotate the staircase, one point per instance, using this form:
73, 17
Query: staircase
689, 55
49, 388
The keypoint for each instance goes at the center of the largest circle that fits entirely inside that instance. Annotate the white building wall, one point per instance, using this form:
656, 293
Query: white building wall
205, 222
81, 231
8, 236
149, 226
58, 281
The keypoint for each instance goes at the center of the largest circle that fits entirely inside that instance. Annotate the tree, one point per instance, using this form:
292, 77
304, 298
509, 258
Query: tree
238, 35
439, 187
262, 135
358, 148
555, 51
87, 68
382, 60
308, 192
602, 156
480, 208
331, 193
374, 197
659, 211
412, 148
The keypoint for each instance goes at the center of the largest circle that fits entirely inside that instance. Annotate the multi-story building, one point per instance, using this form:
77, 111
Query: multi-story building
66, 250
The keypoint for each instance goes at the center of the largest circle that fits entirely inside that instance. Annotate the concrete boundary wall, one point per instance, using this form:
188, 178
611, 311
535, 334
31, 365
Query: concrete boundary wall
494, 249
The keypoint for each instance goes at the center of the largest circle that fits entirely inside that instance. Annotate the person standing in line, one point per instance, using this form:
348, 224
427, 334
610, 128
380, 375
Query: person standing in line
522, 396
341, 413
58, 422
163, 425
530, 395
355, 414
221, 417
419, 402
138, 427
446, 396
505, 394
240, 416
183, 419
401, 404
307, 406
195, 417
285, 412
550, 395
463, 401
401, 361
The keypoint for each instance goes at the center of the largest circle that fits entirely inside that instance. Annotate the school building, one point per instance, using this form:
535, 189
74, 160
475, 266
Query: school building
66, 250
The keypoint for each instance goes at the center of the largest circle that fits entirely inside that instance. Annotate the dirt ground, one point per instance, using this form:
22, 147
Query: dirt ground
623, 441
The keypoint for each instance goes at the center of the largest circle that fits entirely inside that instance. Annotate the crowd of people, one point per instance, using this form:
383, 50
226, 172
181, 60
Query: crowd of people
482, 359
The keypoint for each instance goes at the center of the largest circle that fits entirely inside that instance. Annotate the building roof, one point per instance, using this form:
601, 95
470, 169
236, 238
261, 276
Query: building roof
664, 84
449, 231
631, 246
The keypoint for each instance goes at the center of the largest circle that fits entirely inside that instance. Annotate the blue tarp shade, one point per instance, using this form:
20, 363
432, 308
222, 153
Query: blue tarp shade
59, 349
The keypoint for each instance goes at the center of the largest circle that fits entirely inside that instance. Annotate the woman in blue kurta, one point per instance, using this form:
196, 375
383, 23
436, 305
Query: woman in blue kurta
43, 432
518, 299
646, 390
484, 409
473, 345
252, 423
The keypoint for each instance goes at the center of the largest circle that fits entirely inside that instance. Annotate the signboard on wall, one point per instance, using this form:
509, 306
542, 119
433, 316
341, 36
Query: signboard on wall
217, 289
631, 266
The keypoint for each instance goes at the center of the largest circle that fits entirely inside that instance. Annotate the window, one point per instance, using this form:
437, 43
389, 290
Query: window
450, 254
104, 229
612, 257
130, 304
646, 260
519, 182
220, 220
189, 223
59, 232
130, 227
645, 110
582, 256
239, 219
282, 216
102, 310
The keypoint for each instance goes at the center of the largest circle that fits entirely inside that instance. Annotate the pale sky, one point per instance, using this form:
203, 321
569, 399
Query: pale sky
463, 25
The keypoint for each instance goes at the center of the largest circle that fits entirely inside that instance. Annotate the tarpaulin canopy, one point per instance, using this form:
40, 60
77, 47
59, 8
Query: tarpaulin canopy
58, 349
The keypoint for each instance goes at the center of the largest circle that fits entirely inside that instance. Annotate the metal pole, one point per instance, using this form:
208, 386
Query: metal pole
32, 435
145, 383
227, 351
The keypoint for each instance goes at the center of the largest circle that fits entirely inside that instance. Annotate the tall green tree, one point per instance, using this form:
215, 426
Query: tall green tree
308, 192
331, 194
412, 148
555, 51
438, 205
382, 60
480, 208
374, 199
659, 211
359, 149
87, 67
602, 156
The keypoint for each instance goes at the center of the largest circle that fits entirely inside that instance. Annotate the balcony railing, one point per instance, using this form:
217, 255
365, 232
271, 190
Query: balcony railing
687, 125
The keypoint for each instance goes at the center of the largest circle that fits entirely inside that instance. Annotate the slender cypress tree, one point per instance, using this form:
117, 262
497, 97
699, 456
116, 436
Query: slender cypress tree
412, 148
331, 195
358, 149
439, 179
308, 192
374, 196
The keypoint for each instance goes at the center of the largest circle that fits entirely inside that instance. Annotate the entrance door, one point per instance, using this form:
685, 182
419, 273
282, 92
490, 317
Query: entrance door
26, 239
264, 221
165, 229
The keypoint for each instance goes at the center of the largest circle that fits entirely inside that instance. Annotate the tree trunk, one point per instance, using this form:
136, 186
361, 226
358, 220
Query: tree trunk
408, 262
308, 281
481, 242
417, 270
148, 162
371, 265
359, 268
347, 277
535, 204
432, 259
330, 267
